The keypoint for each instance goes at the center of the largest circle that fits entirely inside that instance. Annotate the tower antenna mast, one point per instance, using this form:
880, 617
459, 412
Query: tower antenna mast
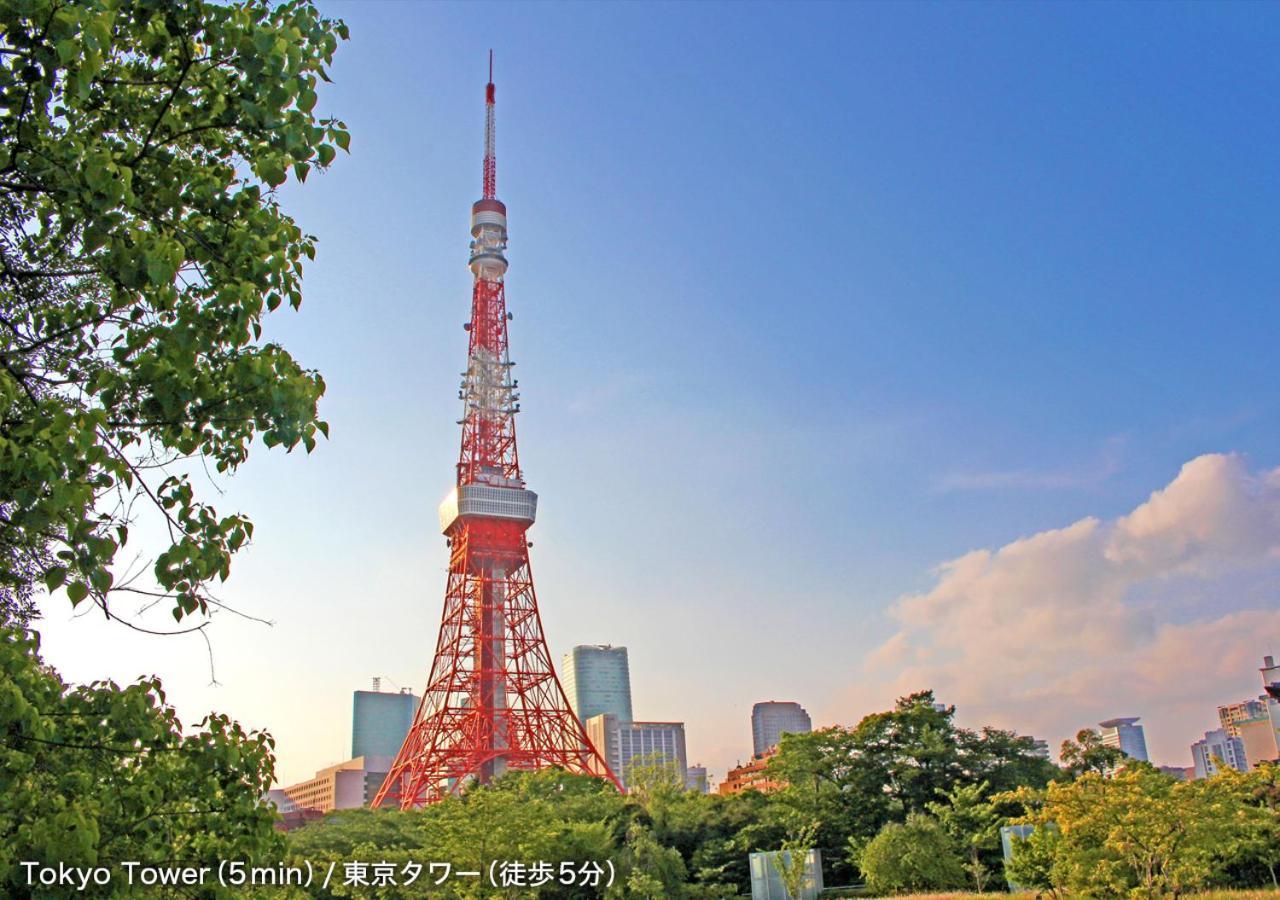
490, 162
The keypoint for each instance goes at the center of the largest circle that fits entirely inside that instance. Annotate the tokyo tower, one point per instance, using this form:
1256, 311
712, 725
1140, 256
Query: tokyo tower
493, 703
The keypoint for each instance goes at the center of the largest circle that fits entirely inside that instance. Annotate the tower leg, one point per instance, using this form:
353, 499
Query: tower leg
494, 703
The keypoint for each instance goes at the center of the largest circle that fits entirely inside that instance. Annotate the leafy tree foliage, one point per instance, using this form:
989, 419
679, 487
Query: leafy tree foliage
973, 824
916, 855
792, 861
1034, 857
95, 775
550, 816
853, 782
1135, 831
681, 845
141, 245
1251, 854
1087, 753
654, 871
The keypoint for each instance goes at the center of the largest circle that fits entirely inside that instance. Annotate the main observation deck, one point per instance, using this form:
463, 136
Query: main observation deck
488, 501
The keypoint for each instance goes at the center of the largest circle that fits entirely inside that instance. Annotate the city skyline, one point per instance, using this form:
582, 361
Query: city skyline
1026, 429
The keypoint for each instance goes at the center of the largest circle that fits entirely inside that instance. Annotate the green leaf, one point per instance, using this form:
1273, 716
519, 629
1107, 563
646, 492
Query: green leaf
101, 579
77, 591
54, 577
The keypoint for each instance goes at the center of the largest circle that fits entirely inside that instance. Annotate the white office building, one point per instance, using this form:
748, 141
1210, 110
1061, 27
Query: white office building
624, 744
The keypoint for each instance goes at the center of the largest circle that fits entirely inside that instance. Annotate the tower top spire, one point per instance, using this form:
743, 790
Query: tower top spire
490, 163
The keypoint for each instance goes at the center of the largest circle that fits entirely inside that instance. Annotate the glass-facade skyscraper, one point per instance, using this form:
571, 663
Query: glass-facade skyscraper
1125, 734
379, 722
597, 681
771, 719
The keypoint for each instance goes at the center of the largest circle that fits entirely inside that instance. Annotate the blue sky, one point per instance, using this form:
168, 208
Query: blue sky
809, 300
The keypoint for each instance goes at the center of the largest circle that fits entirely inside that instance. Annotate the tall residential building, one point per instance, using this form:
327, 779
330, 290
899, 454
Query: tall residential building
379, 722
1215, 749
1126, 735
624, 744
597, 681
1231, 716
771, 719
1256, 722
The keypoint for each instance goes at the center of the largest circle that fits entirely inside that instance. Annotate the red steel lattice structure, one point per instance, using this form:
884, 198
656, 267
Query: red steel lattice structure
493, 702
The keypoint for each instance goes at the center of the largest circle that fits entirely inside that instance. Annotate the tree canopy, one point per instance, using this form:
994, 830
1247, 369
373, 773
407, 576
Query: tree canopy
892, 764
910, 857
99, 774
1141, 831
141, 245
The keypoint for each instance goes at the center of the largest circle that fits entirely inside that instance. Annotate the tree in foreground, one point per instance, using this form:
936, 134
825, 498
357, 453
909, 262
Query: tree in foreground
1087, 753
1138, 831
99, 775
548, 816
917, 855
854, 781
973, 824
141, 246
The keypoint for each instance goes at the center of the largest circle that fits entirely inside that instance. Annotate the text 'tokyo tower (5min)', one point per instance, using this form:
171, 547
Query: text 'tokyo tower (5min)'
493, 702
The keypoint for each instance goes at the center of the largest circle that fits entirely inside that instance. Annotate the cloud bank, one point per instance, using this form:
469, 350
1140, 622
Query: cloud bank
1162, 613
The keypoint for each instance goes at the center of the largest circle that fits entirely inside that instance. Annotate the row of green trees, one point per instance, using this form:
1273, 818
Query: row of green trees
844, 786
96, 775
904, 802
1141, 831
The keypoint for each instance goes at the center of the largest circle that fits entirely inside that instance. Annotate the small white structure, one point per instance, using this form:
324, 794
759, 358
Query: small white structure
766, 875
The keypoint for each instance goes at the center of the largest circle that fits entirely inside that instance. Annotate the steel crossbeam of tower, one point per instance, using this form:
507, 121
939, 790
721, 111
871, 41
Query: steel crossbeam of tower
492, 703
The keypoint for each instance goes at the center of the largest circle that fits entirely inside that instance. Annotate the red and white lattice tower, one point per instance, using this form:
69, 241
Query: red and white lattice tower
493, 702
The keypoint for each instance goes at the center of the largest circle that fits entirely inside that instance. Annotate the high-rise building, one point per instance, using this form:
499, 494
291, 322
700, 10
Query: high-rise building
347, 785
597, 681
626, 744
696, 779
1231, 716
1256, 722
1216, 749
1126, 735
773, 718
379, 722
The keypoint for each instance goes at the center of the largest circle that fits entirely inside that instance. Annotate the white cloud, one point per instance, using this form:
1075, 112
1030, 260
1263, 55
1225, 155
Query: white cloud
1053, 632
1091, 475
